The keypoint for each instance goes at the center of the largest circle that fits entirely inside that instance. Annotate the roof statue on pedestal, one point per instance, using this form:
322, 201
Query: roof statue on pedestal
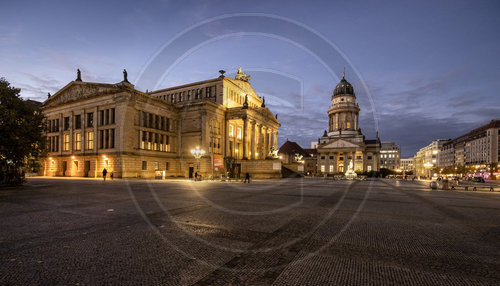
241, 75
125, 75
78, 75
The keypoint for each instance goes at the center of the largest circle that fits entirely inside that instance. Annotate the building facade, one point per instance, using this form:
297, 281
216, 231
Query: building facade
406, 164
426, 159
344, 143
92, 126
480, 146
390, 156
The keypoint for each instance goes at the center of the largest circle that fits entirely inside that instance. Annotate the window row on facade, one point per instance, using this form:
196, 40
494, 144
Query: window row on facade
106, 140
155, 141
188, 95
154, 121
106, 117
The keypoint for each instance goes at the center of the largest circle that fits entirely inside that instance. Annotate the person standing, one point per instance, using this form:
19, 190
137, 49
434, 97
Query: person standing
104, 172
247, 178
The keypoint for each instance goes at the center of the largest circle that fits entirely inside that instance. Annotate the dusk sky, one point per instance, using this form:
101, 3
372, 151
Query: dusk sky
431, 68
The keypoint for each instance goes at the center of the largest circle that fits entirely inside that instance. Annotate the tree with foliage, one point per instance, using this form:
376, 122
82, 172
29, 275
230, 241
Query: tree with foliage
21, 129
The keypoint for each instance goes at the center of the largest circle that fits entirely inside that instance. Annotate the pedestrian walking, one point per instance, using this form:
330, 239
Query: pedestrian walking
196, 176
104, 172
111, 175
247, 178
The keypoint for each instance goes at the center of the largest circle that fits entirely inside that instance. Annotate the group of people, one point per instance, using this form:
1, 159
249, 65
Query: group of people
104, 173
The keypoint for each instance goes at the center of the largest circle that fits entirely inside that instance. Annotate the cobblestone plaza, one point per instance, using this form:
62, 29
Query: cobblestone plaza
279, 232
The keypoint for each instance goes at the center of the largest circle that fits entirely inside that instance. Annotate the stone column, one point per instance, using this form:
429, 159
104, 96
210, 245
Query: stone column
245, 127
227, 152
266, 142
252, 140
269, 142
261, 142
275, 140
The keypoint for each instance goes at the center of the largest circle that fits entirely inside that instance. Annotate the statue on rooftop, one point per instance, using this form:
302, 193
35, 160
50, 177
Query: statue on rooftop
78, 75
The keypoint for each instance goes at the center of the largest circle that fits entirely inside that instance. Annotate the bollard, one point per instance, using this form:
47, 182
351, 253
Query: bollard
474, 189
491, 189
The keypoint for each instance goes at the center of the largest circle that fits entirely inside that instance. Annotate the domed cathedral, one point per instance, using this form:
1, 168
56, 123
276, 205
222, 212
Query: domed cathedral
344, 143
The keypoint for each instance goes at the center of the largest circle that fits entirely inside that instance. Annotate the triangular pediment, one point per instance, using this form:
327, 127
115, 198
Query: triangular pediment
340, 143
82, 90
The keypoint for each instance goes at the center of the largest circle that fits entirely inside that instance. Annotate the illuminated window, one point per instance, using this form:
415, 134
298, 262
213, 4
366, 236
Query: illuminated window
78, 141
238, 133
66, 142
90, 140
323, 168
369, 168
331, 168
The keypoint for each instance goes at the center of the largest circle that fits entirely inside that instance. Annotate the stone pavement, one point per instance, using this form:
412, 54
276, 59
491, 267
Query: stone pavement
279, 232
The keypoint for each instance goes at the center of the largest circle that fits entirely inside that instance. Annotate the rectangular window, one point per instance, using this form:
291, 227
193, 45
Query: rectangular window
101, 117
167, 144
323, 168
157, 122
150, 121
101, 139
57, 125
156, 142
106, 141
66, 123
231, 131
167, 123
112, 116
162, 123
107, 116
144, 122
78, 141
144, 165
238, 133
112, 135
66, 142
90, 140
155, 164
166, 166
90, 119
150, 140
143, 139
369, 168
78, 121
331, 168
207, 92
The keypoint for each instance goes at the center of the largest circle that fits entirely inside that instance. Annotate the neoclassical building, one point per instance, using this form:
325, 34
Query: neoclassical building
344, 141
92, 126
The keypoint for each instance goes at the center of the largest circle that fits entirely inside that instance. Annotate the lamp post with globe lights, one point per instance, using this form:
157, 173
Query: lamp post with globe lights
197, 153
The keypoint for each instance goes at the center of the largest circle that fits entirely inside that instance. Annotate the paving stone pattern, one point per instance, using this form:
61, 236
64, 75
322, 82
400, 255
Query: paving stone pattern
275, 232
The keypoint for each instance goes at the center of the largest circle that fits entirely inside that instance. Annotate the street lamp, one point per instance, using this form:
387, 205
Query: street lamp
197, 153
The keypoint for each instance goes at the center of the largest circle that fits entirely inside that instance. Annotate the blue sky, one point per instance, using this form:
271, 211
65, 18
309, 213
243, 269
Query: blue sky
430, 68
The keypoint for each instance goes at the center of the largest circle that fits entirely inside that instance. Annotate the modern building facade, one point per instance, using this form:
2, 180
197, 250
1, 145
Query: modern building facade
390, 156
344, 143
92, 126
480, 146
